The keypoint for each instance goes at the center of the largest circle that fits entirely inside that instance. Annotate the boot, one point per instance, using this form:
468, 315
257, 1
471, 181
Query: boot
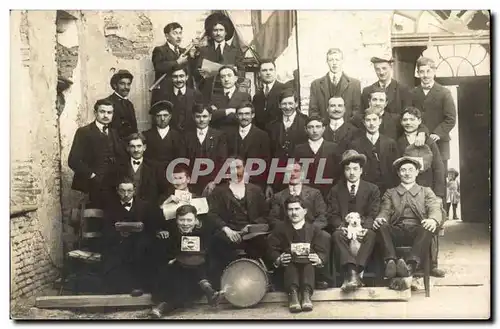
438, 273
307, 305
352, 280
390, 269
213, 297
402, 269
293, 300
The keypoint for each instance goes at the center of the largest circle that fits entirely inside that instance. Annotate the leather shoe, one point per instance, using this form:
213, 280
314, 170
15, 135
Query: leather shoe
136, 293
321, 285
436, 272
390, 269
293, 301
402, 269
307, 305
352, 283
213, 297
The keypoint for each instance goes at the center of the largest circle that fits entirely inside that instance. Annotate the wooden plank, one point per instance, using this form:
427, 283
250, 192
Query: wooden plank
332, 294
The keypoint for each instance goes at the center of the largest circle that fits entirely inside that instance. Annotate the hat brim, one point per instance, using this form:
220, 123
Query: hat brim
401, 161
160, 106
228, 24
381, 60
118, 76
354, 158
249, 236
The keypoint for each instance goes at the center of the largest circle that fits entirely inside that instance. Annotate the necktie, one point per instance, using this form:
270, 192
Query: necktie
105, 129
353, 191
177, 51
335, 80
266, 89
218, 51
227, 96
127, 204
426, 87
136, 162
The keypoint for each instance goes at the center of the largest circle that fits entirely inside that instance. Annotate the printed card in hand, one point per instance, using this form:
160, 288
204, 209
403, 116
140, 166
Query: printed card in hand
190, 243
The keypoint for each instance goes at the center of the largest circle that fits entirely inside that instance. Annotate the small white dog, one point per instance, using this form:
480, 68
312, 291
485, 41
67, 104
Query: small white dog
354, 228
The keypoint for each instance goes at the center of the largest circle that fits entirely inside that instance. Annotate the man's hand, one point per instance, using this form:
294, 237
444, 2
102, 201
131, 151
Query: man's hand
234, 236
434, 137
269, 192
230, 110
170, 262
420, 139
162, 235
379, 222
314, 259
173, 199
343, 230
284, 259
183, 58
429, 224
244, 230
203, 73
92, 175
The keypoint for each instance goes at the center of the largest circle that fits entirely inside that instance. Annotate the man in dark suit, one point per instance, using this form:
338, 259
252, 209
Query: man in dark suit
183, 98
266, 100
167, 56
126, 266
398, 95
339, 130
335, 83
217, 50
95, 154
164, 143
295, 266
436, 103
124, 120
147, 185
224, 105
322, 156
380, 151
250, 142
353, 195
285, 133
205, 144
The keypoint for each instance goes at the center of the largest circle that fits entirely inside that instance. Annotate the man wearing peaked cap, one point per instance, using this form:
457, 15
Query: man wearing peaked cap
160, 106
409, 215
124, 120
398, 95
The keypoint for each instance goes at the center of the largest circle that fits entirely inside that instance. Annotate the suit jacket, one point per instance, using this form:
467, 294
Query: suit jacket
182, 115
281, 237
367, 203
219, 118
267, 108
284, 141
150, 187
422, 201
124, 120
222, 202
94, 152
438, 113
316, 207
434, 177
349, 89
343, 136
330, 152
388, 153
398, 96
231, 55
164, 59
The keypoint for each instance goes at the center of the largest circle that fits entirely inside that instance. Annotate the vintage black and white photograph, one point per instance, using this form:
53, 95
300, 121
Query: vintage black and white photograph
175, 164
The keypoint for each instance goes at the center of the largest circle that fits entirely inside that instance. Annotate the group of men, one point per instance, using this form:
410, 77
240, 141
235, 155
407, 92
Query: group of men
381, 153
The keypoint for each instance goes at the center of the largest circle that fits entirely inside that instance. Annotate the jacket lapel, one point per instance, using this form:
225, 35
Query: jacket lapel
309, 230
324, 87
391, 92
343, 199
343, 83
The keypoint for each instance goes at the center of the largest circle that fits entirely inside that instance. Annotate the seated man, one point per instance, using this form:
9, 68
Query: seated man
238, 204
183, 275
126, 269
409, 215
296, 247
353, 195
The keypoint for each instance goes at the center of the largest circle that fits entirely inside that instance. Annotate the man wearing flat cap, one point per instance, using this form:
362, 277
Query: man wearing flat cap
409, 215
124, 120
164, 143
352, 194
398, 95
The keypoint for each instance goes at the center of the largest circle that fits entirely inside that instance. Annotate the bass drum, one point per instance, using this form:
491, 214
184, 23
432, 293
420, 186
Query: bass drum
244, 282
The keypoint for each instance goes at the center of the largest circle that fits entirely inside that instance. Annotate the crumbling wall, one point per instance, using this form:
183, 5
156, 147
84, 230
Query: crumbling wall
35, 154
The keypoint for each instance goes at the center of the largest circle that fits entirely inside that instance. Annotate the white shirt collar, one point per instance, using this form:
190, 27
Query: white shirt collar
373, 137
163, 131
203, 131
410, 137
430, 85
295, 188
117, 94
171, 46
336, 75
299, 225
132, 161
355, 184
270, 85
230, 91
244, 130
238, 188
335, 124
100, 126
315, 145
131, 203
407, 186
222, 45
291, 117
183, 90
384, 86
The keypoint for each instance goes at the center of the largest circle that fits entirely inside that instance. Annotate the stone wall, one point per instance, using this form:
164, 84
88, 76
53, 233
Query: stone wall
35, 152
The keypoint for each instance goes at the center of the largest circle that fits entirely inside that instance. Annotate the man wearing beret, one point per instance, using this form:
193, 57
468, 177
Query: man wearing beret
398, 95
164, 143
409, 215
124, 120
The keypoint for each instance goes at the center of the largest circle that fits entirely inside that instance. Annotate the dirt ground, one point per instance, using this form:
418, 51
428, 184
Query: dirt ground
463, 294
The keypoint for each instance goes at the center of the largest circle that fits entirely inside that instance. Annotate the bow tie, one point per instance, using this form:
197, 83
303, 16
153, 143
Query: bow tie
426, 87
127, 204
136, 162
201, 133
